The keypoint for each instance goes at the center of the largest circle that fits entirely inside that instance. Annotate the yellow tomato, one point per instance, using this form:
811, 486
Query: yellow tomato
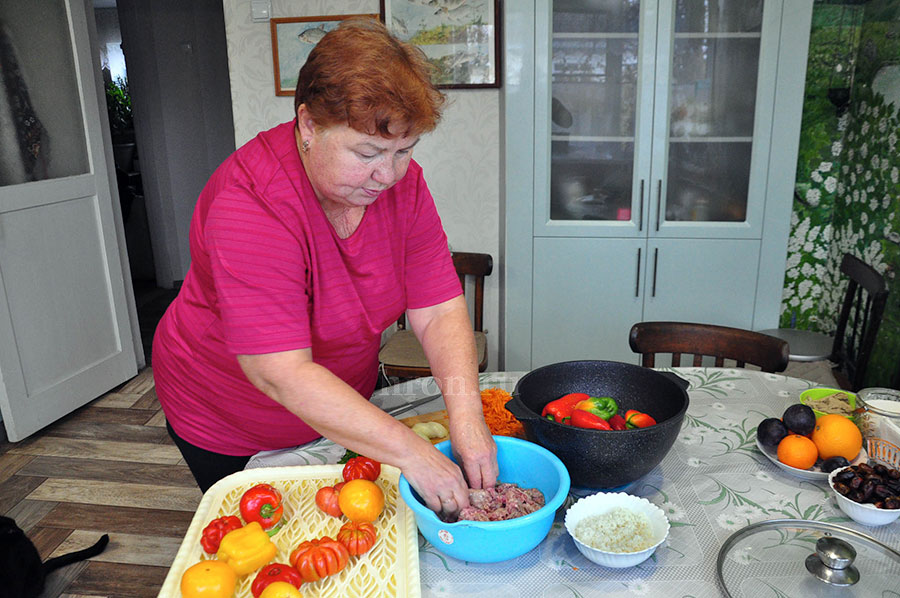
280, 589
208, 579
361, 500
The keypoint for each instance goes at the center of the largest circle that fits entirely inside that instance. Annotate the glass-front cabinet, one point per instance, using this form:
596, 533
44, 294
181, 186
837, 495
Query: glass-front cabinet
651, 116
653, 127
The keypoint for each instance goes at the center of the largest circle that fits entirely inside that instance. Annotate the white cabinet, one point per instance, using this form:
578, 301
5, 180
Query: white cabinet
650, 157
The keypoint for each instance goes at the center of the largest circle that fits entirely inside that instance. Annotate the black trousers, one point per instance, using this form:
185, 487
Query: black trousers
206, 466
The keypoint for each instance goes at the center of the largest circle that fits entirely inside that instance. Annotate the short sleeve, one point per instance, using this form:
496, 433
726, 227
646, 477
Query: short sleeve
430, 277
259, 271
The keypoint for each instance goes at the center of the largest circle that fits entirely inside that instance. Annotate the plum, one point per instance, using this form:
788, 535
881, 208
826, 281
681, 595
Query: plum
770, 431
799, 419
833, 463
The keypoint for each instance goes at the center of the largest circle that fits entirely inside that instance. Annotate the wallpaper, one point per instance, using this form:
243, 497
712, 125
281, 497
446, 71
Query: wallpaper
461, 158
847, 191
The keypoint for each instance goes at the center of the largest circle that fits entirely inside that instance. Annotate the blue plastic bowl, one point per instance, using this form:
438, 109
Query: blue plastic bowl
521, 462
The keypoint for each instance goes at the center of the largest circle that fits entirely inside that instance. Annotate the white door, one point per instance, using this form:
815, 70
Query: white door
65, 335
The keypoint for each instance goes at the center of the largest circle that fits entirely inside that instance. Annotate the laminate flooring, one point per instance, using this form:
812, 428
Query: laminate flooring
108, 468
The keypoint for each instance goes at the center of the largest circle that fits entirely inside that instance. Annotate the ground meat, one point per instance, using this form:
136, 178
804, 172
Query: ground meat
503, 501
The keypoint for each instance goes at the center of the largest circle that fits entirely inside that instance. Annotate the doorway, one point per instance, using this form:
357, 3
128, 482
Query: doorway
166, 73
151, 299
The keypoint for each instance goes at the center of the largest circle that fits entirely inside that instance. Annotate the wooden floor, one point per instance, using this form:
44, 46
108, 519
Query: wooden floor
110, 467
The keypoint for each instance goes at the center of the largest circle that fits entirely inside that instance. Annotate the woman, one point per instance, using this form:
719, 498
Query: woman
306, 244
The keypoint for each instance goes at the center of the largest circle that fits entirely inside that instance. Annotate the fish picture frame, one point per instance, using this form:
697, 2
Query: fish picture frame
460, 38
293, 38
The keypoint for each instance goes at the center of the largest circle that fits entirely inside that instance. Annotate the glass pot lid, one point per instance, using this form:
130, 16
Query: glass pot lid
794, 557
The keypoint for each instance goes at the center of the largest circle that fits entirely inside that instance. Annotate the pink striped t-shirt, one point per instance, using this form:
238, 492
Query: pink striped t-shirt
268, 273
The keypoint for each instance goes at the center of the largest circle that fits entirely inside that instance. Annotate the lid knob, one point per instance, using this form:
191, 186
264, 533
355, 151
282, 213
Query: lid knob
833, 562
835, 553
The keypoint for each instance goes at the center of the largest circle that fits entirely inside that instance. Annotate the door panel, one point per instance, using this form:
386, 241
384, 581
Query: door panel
702, 280
587, 295
65, 335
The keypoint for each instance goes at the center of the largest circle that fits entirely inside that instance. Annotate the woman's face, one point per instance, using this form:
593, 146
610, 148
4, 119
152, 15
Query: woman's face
350, 168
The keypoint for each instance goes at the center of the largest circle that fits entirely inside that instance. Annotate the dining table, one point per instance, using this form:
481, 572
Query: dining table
713, 482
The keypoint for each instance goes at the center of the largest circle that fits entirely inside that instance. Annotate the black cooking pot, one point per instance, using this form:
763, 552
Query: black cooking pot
600, 458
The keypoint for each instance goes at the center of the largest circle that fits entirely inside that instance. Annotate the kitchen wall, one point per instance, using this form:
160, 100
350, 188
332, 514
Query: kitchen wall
461, 158
848, 195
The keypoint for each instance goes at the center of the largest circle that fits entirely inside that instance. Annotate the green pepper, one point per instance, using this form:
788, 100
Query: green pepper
560, 410
602, 407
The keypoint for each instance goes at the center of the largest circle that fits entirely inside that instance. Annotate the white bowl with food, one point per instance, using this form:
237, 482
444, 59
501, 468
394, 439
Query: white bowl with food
616, 529
865, 513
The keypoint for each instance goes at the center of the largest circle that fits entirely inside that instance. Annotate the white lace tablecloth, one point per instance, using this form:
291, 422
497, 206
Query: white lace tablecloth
713, 482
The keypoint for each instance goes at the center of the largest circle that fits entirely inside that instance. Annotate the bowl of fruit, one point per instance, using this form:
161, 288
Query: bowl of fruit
809, 447
867, 493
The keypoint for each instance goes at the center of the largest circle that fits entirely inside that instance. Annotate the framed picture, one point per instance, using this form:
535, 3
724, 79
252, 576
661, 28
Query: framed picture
293, 38
461, 38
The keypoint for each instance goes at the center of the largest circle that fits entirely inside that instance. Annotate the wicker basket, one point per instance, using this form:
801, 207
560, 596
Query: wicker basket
884, 452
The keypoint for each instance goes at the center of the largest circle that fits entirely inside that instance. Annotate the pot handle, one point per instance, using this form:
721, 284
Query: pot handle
684, 384
518, 409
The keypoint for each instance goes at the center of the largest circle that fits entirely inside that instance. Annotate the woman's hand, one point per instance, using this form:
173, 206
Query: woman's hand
474, 447
445, 332
438, 480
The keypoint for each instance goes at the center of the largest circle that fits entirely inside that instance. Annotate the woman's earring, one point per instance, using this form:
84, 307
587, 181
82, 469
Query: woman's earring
305, 146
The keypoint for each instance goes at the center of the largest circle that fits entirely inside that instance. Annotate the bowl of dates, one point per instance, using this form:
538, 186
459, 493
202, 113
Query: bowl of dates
868, 494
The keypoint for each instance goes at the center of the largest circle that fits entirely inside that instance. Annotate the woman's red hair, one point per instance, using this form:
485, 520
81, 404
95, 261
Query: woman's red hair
362, 76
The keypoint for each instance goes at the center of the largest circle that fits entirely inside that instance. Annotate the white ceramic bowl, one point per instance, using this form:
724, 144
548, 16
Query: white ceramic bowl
600, 503
860, 512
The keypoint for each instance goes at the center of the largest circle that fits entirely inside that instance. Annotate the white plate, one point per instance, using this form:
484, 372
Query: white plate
807, 474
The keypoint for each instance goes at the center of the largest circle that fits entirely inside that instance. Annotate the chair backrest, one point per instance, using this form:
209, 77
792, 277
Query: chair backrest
476, 265
858, 322
743, 346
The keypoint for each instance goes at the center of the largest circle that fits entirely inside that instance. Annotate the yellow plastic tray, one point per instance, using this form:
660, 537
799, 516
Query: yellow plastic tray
390, 568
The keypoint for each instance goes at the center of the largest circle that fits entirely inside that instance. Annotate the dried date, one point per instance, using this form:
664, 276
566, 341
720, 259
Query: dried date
876, 484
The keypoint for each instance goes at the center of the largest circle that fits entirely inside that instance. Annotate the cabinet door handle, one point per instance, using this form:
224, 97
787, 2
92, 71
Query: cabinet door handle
658, 201
655, 263
637, 279
641, 214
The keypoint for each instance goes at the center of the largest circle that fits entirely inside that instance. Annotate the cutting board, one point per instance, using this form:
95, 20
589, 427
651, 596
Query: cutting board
435, 416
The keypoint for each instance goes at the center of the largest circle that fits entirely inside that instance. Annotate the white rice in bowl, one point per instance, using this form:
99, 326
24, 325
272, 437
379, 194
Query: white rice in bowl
619, 530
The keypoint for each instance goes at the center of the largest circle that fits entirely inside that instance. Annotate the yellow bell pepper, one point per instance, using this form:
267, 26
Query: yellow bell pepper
246, 549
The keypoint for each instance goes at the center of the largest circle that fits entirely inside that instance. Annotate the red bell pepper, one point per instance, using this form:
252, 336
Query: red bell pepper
216, 529
617, 422
586, 419
361, 468
560, 410
272, 573
636, 419
262, 503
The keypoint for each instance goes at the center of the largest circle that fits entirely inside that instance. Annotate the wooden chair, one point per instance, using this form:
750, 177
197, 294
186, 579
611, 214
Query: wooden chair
858, 322
403, 357
699, 340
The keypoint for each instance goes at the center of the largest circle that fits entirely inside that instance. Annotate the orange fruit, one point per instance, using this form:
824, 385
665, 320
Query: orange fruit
280, 589
837, 436
208, 579
797, 451
361, 500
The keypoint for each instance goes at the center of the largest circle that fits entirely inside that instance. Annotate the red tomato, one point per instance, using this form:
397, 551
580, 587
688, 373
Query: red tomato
327, 500
362, 468
315, 559
357, 537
